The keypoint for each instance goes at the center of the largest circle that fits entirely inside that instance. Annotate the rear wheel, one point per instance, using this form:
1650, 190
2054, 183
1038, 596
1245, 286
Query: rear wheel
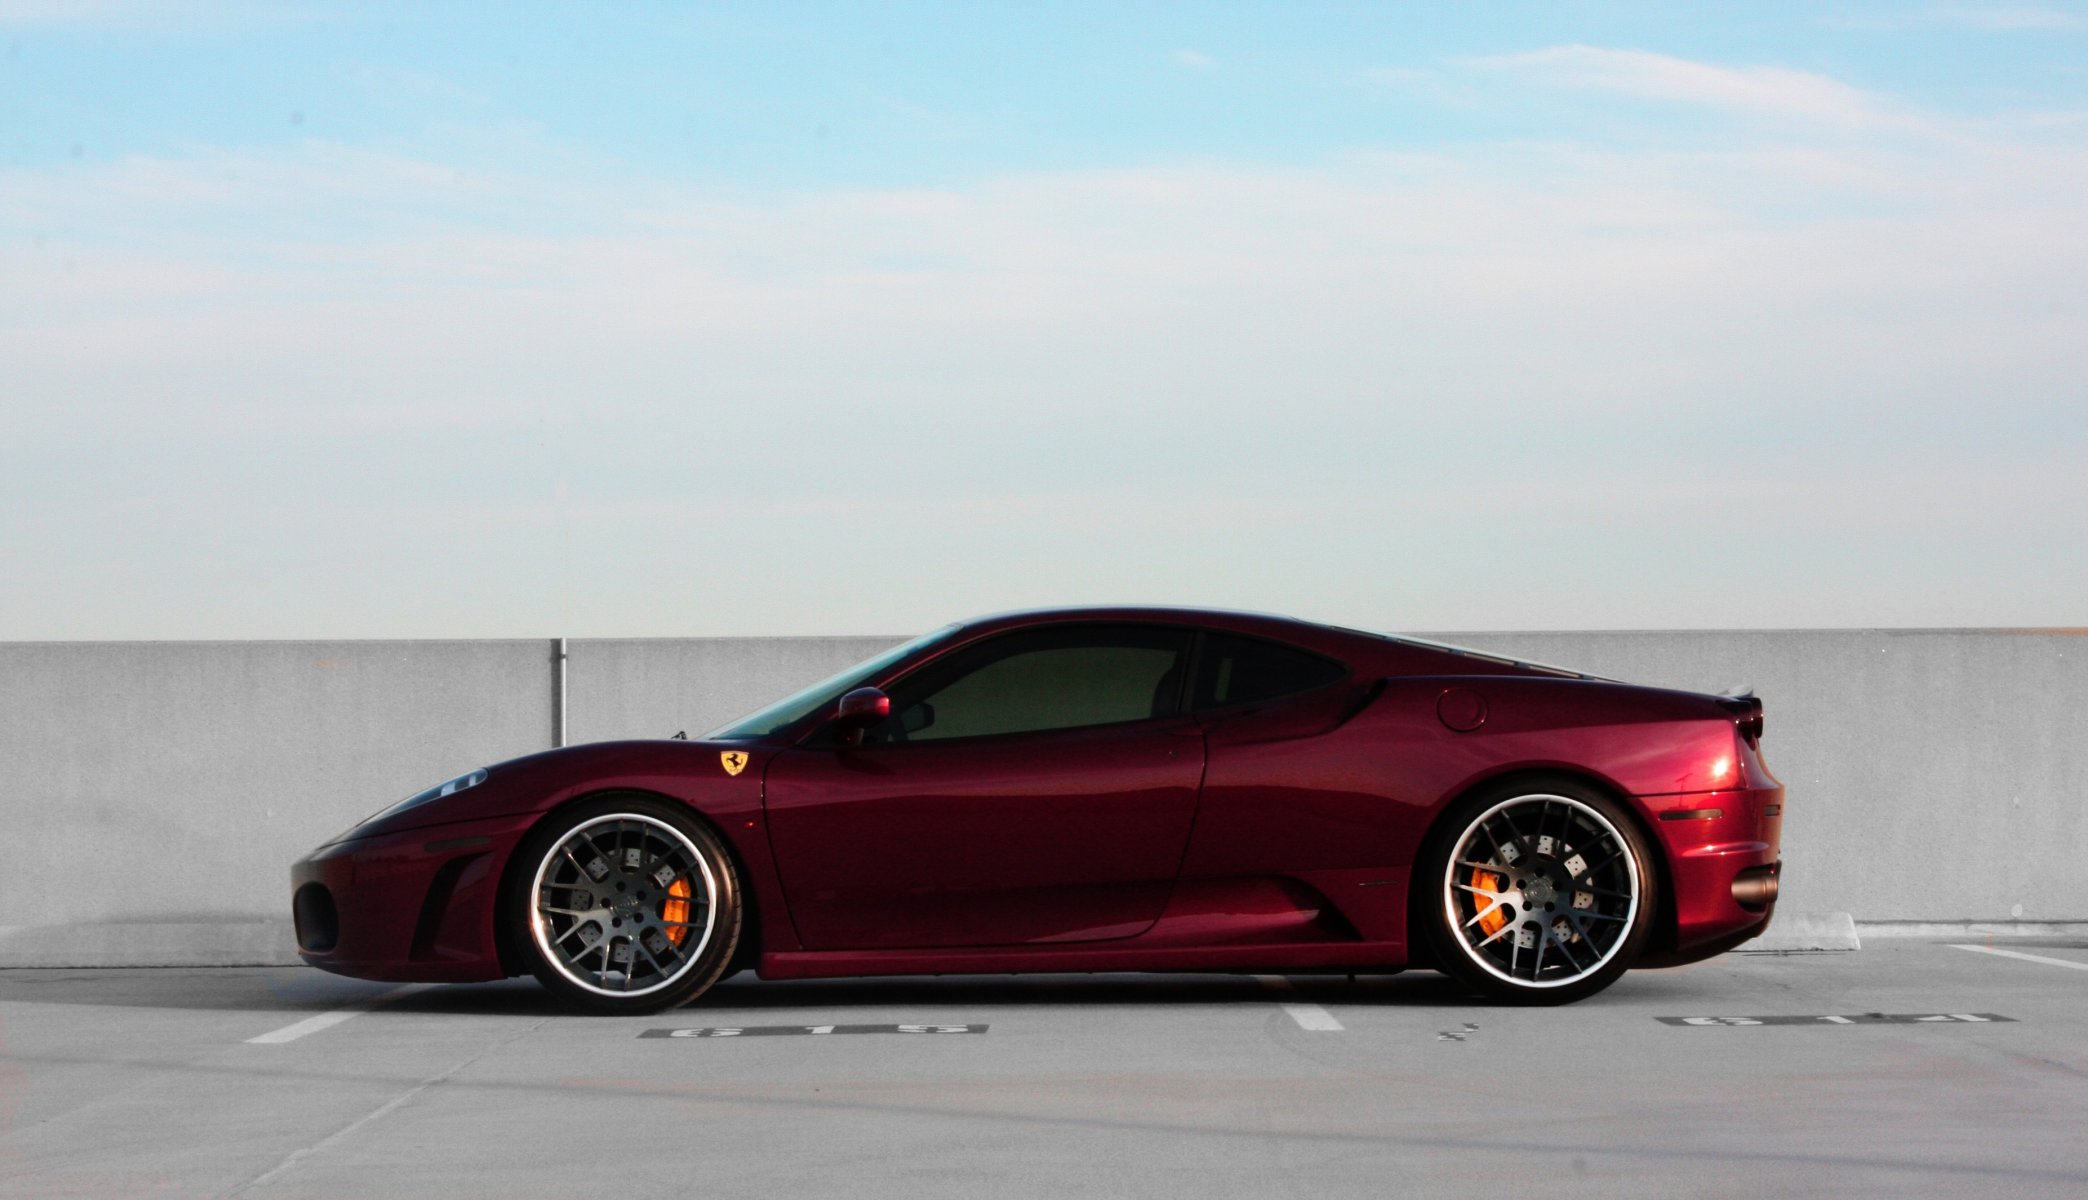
1538, 892
627, 904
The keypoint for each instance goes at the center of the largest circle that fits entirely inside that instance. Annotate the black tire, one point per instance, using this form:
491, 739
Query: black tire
1535, 868
630, 962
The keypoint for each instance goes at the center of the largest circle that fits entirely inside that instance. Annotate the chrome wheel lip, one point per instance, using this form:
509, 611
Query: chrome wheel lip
1464, 838
539, 924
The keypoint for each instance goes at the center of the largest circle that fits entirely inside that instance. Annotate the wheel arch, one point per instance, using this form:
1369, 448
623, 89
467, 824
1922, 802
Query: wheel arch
1664, 924
506, 929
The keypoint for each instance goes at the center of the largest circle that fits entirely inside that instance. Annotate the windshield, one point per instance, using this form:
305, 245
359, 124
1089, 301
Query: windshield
801, 704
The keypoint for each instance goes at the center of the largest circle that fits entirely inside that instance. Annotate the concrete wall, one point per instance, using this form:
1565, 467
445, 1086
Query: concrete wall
656, 687
152, 795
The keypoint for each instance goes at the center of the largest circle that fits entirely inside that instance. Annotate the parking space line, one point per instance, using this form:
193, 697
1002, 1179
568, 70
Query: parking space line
1310, 1017
327, 1020
2036, 958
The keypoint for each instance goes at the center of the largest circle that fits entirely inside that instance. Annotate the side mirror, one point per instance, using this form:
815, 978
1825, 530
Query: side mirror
858, 711
864, 706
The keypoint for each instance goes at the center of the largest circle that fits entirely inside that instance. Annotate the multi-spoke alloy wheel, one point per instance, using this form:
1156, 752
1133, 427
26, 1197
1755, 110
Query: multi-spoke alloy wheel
632, 906
1545, 893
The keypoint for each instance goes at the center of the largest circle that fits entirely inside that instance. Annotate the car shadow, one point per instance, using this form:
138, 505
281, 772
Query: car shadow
745, 992
302, 991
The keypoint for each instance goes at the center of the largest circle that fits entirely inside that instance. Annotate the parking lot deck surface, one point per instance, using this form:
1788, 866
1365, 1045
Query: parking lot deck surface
289, 1082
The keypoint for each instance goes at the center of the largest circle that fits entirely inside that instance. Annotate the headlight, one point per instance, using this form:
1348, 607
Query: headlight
447, 788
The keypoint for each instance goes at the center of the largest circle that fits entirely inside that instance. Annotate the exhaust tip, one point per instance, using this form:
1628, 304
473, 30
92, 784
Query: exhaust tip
1754, 889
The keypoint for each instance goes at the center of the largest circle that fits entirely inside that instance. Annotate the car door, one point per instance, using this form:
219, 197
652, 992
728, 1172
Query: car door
1034, 786
1279, 798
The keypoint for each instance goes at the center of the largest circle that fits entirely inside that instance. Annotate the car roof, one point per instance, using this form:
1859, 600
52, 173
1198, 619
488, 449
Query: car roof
1209, 618
1333, 639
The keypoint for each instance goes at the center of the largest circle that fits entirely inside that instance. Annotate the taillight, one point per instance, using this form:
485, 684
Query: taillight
1747, 716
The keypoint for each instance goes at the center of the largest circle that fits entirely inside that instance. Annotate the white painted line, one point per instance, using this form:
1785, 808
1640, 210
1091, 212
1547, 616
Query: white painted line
2036, 958
327, 1020
1310, 1017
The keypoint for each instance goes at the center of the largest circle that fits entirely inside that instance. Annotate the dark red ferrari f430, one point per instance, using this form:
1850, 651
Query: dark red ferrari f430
1091, 790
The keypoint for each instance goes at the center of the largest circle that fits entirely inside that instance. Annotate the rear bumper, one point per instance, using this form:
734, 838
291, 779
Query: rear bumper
418, 906
1724, 852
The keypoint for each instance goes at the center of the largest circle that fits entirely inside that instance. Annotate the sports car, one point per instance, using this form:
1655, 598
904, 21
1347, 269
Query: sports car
1124, 789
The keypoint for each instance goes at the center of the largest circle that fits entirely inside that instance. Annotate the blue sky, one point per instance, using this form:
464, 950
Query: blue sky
913, 94
366, 320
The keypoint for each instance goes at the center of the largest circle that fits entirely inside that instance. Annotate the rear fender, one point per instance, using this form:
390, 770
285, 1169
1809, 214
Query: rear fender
1663, 934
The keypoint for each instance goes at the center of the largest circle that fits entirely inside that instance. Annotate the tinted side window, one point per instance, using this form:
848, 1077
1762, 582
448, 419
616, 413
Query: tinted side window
1237, 670
1044, 679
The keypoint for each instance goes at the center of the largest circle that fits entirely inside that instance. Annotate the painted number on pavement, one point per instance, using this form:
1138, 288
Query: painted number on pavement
1850, 1019
725, 1031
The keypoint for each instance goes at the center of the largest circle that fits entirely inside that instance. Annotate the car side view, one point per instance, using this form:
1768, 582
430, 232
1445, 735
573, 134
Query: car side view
1126, 789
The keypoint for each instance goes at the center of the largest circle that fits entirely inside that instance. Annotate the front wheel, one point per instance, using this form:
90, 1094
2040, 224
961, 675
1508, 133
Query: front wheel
1537, 893
625, 904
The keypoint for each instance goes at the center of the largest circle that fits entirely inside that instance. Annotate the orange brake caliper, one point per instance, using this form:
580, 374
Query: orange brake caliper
676, 908
1491, 923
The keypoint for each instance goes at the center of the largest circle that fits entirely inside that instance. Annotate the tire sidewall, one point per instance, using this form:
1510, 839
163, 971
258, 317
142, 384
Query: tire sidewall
518, 907
1448, 948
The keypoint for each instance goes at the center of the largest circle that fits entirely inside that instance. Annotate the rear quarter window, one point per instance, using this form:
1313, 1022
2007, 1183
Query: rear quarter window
1232, 670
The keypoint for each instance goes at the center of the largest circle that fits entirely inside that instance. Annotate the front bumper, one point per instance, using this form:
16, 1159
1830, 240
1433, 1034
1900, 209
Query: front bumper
419, 905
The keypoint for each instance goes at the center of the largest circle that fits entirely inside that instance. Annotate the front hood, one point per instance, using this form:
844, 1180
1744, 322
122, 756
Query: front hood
695, 772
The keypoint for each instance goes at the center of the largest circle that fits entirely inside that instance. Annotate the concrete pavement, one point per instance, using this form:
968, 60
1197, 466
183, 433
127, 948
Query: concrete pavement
151, 1082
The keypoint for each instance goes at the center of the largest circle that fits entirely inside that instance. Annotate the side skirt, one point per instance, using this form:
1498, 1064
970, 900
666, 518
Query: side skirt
833, 964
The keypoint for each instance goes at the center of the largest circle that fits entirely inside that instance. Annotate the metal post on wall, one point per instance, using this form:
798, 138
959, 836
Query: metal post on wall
558, 692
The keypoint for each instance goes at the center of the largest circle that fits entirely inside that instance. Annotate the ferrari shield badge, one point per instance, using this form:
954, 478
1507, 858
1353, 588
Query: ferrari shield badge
735, 761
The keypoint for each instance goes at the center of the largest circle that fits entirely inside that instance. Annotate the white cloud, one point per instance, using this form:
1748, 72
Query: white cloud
1194, 58
1762, 383
1771, 91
